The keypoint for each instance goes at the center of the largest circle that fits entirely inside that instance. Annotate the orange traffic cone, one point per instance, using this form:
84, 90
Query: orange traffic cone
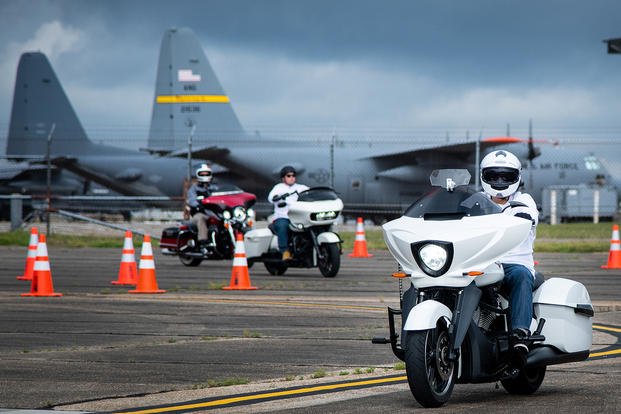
128, 273
31, 258
146, 270
360, 244
240, 279
42, 275
614, 257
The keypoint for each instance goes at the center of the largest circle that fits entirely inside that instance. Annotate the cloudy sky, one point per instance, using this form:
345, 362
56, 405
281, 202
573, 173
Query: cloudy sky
337, 63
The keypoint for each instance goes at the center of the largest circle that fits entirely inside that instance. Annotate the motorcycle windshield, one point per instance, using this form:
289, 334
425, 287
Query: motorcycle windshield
440, 204
318, 194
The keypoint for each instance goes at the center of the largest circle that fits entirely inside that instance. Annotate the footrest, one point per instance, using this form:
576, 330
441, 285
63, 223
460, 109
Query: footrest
380, 340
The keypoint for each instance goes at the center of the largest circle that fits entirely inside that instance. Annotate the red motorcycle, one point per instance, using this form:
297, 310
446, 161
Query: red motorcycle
229, 212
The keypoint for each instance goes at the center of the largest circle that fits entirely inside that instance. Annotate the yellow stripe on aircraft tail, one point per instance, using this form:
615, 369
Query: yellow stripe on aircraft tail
173, 99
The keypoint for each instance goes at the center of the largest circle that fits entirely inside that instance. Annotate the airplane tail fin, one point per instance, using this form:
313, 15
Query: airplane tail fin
188, 97
40, 107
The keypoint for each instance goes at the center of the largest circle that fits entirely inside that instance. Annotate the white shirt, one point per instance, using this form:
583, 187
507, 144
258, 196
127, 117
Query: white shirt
280, 189
523, 253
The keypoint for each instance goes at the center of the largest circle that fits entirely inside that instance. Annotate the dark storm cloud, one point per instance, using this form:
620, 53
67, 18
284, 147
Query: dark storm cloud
475, 40
318, 61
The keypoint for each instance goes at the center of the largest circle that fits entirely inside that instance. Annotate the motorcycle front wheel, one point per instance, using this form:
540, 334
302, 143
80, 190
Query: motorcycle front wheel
331, 262
431, 375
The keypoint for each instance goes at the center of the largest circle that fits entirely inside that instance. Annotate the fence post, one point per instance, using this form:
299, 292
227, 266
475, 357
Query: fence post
552, 207
596, 206
16, 211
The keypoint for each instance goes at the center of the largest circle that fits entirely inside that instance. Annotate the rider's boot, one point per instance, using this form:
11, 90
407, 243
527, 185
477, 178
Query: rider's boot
519, 341
203, 246
286, 255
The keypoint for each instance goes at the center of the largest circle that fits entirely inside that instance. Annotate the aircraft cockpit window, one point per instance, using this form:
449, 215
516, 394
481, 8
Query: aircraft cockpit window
592, 163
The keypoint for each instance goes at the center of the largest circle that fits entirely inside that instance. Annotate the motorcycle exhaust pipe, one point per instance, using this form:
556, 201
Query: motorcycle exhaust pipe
548, 355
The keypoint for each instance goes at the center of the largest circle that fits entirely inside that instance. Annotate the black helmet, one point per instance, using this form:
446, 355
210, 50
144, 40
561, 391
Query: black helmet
287, 169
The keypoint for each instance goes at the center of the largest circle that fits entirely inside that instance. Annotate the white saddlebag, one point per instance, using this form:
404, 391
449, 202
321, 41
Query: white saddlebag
257, 242
567, 309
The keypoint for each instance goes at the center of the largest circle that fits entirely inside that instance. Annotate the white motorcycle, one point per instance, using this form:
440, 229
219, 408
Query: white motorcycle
455, 320
312, 242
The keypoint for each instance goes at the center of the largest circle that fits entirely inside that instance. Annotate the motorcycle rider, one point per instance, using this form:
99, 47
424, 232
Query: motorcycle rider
197, 191
501, 174
282, 196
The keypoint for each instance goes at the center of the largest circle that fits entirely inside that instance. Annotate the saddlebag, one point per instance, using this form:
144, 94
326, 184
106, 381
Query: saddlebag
257, 242
567, 309
169, 239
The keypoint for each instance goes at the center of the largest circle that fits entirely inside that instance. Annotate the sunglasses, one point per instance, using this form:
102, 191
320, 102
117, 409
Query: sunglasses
290, 175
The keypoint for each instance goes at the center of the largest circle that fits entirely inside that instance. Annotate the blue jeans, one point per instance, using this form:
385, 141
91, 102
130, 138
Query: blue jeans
281, 225
520, 282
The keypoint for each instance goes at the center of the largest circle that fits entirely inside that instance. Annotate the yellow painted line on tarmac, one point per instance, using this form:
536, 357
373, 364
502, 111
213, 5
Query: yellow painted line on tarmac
607, 328
287, 393
270, 395
606, 353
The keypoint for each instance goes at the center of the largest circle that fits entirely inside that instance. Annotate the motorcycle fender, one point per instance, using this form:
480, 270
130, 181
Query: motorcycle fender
426, 315
328, 237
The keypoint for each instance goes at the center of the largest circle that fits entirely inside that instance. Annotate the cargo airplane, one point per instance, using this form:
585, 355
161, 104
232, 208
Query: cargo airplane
372, 177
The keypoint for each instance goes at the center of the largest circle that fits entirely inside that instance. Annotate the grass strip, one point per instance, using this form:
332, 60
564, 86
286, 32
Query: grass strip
561, 238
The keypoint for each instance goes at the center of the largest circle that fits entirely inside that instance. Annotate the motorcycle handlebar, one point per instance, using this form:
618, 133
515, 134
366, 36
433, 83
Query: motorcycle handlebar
282, 196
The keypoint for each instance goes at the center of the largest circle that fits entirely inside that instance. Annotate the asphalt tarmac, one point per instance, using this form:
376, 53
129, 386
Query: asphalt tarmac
99, 348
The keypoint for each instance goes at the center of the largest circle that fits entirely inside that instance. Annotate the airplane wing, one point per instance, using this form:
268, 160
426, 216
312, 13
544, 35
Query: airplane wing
460, 152
125, 182
9, 171
162, 152
223, 157
402, 165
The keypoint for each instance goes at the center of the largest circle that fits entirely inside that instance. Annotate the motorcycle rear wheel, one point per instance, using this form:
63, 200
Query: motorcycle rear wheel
331, 262
431, 376
189, 261
276, 269
184, 241
527, 381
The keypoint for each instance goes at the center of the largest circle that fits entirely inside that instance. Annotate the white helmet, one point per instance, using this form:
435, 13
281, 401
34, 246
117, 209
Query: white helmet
203, 174
501, 173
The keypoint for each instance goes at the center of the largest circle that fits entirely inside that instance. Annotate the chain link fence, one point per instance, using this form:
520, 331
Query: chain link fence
571, 162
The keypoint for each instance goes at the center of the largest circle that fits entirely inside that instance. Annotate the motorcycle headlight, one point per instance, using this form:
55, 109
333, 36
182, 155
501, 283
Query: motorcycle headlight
433, 257
324, 215
226, 214
251, 213
239, 213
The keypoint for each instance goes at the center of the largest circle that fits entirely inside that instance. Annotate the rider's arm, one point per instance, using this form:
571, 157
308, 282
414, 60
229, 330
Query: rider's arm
528, 210
275, 195
191, 197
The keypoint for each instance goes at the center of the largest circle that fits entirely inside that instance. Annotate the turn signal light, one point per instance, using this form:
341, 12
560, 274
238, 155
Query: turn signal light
473, 273
400, 275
